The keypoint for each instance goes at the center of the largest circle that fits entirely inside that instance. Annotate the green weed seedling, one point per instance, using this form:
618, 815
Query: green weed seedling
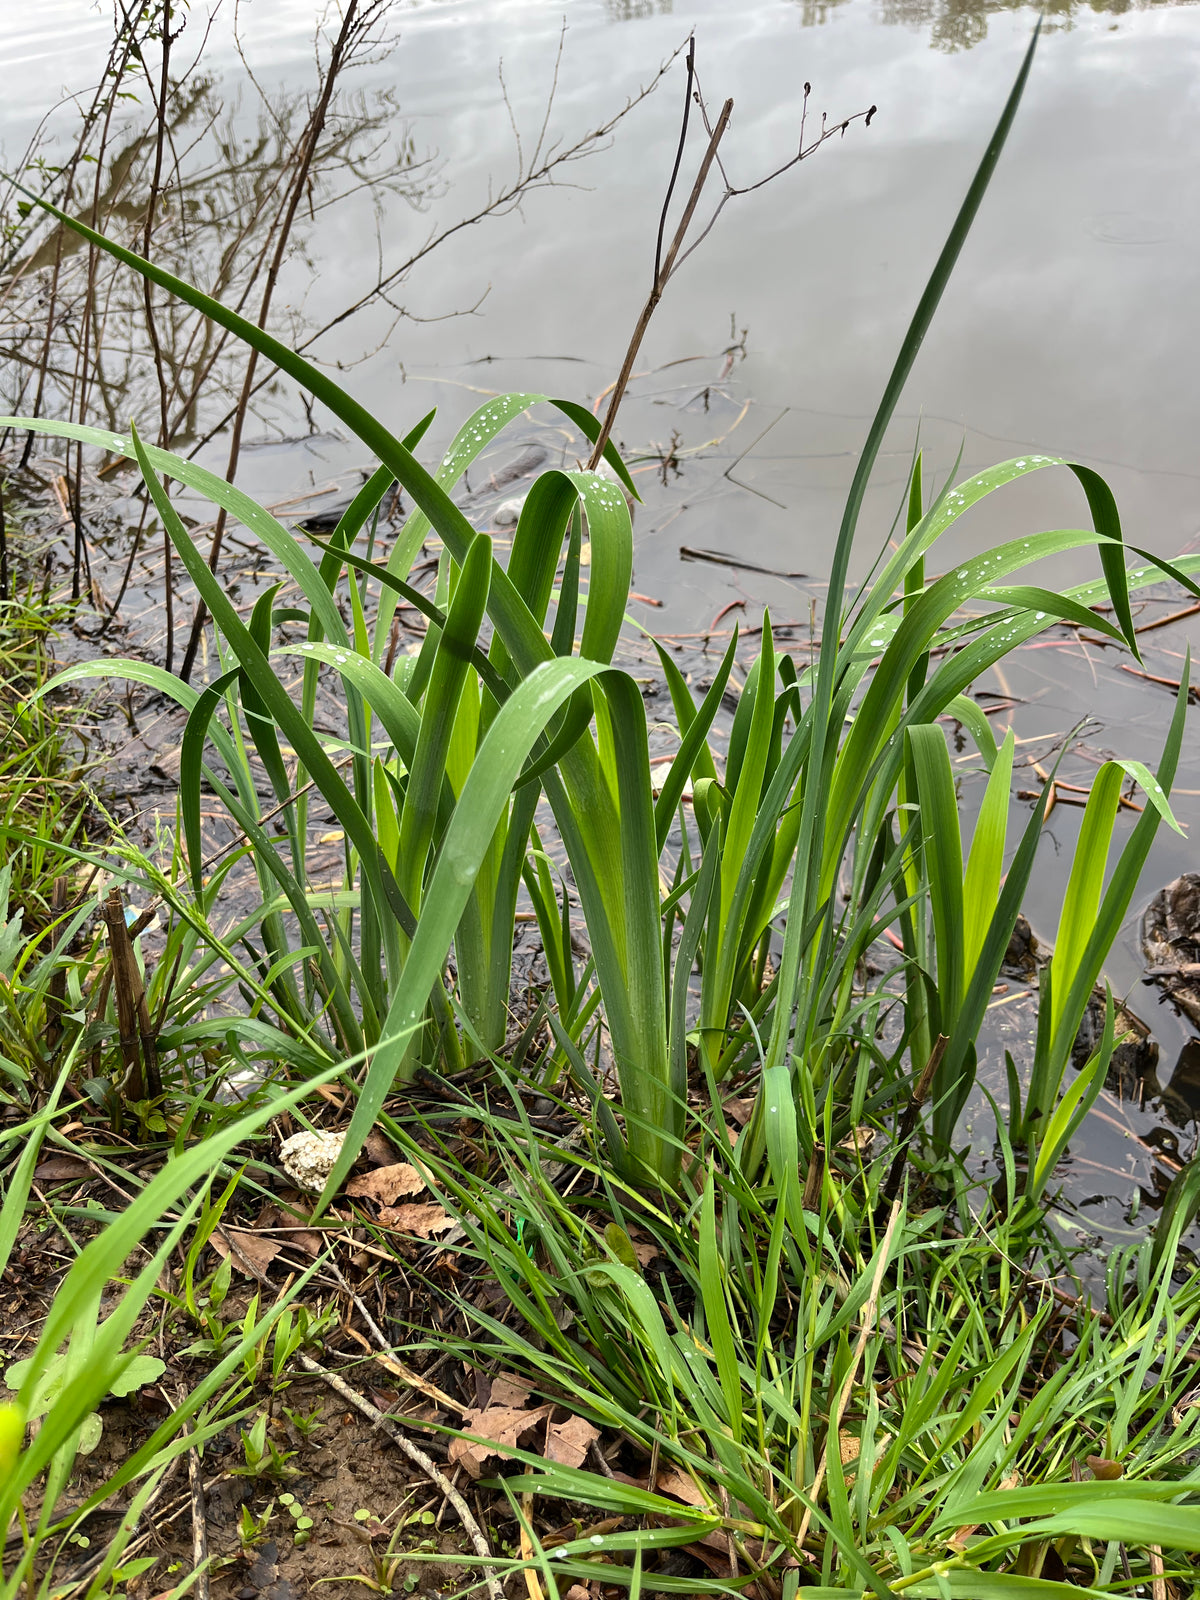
204, 1304
385, 1576
301, 1524
263, 1457
255, 1357
305, 1423
296, 1329
254, 1530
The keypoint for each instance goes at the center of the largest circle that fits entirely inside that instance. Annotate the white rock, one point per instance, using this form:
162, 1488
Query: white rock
508, 513
308, 1158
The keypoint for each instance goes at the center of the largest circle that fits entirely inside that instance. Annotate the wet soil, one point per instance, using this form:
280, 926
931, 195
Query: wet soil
344, 1509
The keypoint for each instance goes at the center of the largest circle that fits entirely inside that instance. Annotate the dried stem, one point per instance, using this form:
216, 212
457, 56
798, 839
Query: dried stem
133, 1015
676, 256
415, 1455
662, 278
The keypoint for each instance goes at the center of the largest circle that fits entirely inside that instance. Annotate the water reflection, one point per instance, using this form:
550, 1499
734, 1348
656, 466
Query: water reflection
1181, 1096
959, 24
638, 10
216, 222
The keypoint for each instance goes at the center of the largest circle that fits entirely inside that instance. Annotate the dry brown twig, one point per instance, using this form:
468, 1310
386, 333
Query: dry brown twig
415, 1455
199, 1523
666, 267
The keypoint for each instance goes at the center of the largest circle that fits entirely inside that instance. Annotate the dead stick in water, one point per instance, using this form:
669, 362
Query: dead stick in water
663, 272
665, 266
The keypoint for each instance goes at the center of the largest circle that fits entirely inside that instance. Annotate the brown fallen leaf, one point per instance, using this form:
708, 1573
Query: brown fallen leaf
291, 1235
507, 1389
251, 1253
644, 1248
62, 1169
859, 1141
568, 1442
502, 1425
422, 1221
714, 1552
681, 1487
386, 1184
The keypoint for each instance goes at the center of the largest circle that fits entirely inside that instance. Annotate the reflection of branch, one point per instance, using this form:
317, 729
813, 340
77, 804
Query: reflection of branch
676, 255
164, 403
354, 30
539, 174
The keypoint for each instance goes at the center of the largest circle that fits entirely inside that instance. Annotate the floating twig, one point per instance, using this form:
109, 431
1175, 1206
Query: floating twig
1167, 683
718, 558
1172, 616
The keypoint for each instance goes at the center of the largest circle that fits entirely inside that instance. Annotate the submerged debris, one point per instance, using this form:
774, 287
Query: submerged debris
1171, 944
1135, 1055
1023, 954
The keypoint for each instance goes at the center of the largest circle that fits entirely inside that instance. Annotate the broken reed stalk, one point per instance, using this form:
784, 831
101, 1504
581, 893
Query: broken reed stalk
814, 1179
133, 1015
56, 995
663, 269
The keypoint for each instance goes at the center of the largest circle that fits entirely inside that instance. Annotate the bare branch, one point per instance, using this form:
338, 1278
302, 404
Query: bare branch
687, 106
541, 174
676, 256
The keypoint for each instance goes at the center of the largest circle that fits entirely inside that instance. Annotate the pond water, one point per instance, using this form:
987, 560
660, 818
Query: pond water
1070, 326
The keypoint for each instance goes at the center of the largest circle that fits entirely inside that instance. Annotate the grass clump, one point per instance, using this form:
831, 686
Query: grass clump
811, 1371
42, 798
820, 1398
